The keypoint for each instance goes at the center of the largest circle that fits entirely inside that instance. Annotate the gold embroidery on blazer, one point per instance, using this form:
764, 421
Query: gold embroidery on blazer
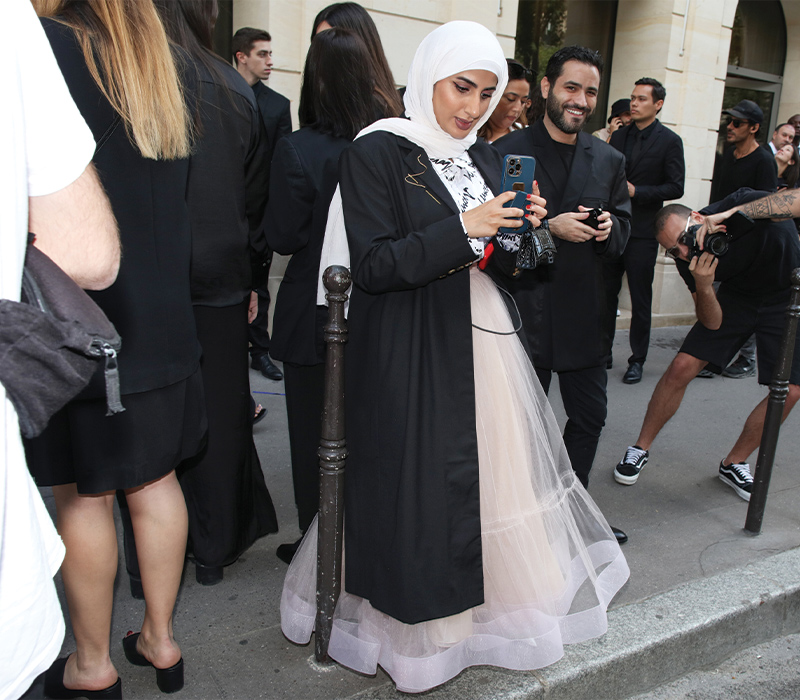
411, 179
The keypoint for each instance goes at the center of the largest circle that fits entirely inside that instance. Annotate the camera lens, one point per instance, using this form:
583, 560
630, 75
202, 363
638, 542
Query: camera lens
511, 171
717, 244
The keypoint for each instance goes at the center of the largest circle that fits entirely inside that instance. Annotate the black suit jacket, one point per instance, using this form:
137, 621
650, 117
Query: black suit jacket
562, 305
276, 123
227, 189
275, 115
658, 174
413, 531
305, 172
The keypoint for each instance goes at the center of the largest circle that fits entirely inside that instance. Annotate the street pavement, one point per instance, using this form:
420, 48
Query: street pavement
701, 588
768, 671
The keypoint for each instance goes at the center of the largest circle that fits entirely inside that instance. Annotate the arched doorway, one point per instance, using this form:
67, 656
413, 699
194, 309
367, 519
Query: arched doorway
756, 62
544, 26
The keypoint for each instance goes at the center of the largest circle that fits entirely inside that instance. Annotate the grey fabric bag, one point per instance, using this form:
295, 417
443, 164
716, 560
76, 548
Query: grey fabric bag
51, 343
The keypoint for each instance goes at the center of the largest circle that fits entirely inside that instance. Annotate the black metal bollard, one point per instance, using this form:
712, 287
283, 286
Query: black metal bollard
332, 456
778, 391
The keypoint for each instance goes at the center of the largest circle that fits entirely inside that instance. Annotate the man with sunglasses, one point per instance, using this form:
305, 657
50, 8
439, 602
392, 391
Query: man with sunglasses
744, 164
752, 296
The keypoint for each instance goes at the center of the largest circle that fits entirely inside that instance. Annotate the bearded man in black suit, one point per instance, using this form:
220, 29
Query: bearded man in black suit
562, 305
656, 172
252, 54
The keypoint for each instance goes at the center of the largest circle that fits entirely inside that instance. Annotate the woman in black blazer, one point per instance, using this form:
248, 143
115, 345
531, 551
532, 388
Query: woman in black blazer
467, 534
305, 172
226, 495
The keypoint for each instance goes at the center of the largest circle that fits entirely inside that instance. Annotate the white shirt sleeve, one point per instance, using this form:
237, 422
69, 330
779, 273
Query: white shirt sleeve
58, 142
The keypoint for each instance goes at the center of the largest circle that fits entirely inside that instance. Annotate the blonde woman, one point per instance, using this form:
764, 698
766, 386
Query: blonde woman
117, 64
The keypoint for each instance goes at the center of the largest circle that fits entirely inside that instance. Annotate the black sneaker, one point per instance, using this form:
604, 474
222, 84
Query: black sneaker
627, 471
738, 477
740, 367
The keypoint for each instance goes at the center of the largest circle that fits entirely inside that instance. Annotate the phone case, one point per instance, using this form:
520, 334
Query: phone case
518, 174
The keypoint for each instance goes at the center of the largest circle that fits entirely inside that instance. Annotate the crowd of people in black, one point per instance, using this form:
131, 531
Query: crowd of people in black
470, 535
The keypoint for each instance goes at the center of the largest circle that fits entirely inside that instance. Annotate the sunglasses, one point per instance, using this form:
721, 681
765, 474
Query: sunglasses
736, 123
675, 251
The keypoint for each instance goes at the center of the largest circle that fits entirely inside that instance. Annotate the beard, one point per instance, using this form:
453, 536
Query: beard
556, 113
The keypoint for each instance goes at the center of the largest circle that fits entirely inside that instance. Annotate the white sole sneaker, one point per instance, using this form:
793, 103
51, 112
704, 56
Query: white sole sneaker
635, 466
744, 495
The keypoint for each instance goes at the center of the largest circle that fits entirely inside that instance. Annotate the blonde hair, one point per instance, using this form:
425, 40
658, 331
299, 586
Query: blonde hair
128, 55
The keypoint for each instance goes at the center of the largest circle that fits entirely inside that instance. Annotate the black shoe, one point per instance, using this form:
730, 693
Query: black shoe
264, 365
169, 680
136, 587
705, 374
633, 375
738, 477
261, 412
286, 552
208, 575
54, 685
627, 471
622, 538
740, 367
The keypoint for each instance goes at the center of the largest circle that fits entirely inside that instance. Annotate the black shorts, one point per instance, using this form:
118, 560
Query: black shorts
741, 317
157, 430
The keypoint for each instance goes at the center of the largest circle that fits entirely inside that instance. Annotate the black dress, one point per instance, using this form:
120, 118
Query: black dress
226, 495
305, 172
150, 306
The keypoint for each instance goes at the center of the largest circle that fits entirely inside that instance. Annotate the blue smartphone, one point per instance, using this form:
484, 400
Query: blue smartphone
518, 174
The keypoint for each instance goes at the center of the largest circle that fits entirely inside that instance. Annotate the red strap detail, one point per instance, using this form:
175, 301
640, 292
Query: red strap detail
487, 253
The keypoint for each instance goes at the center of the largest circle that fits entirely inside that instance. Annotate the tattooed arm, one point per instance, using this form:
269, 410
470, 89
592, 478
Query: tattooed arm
779, 205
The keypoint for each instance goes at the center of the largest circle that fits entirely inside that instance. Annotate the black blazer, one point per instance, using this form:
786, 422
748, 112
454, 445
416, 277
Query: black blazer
227, 189
149, 303
275, 115
413, 532
563, 305
658, 173
305, 172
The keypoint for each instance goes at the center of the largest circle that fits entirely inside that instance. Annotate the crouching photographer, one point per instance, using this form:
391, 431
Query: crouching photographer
752, 261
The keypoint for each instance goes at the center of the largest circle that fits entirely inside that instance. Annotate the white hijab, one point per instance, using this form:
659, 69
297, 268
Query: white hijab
449, 49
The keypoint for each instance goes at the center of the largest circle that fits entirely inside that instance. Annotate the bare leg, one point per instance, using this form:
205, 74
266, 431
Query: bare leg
86, 524
160, 525
667, 396
750, 437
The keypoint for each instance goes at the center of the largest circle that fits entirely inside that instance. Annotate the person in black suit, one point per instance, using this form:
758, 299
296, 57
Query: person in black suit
252, 53
656, 172
306, 169
562, 305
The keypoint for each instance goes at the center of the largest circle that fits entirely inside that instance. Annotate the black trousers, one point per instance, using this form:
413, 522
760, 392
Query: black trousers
638, 262
226, 495
258, 330
583, 393
305, 391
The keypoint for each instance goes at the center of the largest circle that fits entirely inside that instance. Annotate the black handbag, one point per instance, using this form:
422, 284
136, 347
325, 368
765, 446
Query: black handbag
51, 343
536, 247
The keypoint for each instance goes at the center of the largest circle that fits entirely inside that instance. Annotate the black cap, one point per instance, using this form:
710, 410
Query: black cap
619, 107
746, 109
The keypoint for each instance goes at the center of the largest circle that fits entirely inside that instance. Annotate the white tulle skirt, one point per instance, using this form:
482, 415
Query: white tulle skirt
551, 564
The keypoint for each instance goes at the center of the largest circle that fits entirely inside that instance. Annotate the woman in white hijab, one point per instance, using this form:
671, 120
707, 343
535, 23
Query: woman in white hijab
467, 535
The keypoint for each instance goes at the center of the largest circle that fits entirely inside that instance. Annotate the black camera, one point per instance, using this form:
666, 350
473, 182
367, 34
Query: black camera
715, 243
